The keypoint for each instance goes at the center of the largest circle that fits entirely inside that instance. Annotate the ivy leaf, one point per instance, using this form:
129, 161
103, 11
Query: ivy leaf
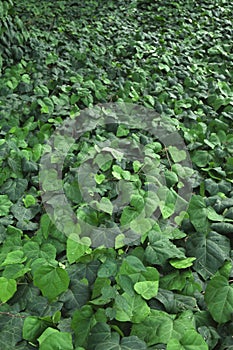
160, 249
51, 280
156, 328
128, 215
210, 251
105, 205
198, 213
5, 205
14, 188
177, 154
47, 105
99, 178
8, 288
182, 263
52, 339
82, 322
76, 249
147, 289
191, 340
15, 257
130, 308
29, 201
219, 299
127, 343
33, 327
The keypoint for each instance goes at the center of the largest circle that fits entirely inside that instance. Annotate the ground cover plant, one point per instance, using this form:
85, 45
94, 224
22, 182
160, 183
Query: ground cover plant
170, 287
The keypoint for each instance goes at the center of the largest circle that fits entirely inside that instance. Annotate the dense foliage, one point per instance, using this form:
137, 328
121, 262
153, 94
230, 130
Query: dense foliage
171, 288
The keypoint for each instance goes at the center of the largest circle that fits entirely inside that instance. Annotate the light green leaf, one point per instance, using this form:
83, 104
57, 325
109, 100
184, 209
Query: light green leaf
29, 200
8, 288
33, 327
77, 248
99, 178
141, 226
147, 289
52, 339
15, 257
182, 263
191, 340
177, 154
122, 131
137, 166
105, 205
5, 205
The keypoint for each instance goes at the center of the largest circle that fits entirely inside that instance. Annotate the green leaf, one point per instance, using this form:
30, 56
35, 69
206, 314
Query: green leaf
8, 288
104, 161
160, 249
52, 339
47, 105
127, 343
77, 248
137, 202
82, 322
15, 257
198, 213
147, 289
156, 328
5, 205
219, 299
182, 263
130, 308
141, 226
213, 216
191, 340
210, 251
122, 131
107, 269
29, 200
14, 188
105, 205
201, 158
177, 154
130, 265
99, 178
52, 281
33, 327
175, 280
128, 215
137, 166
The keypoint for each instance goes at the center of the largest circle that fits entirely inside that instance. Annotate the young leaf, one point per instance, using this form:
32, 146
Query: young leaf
5, 205
147, 289
8, 288
182, 263
176, 154
52, 339
105, 205
191, 340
